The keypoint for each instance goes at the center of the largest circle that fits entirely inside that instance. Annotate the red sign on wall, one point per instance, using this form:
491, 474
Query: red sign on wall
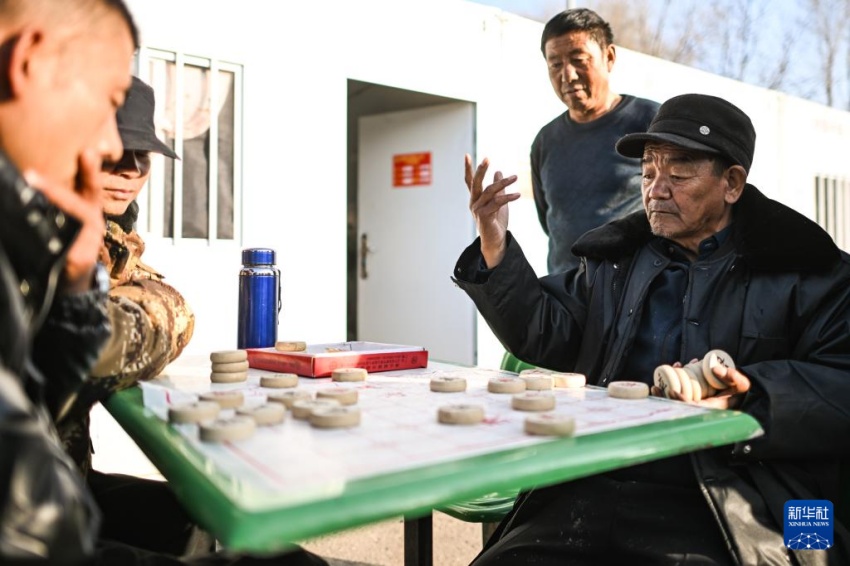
412, 169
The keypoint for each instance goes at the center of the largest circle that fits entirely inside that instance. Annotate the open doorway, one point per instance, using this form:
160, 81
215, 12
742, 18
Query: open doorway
408, 219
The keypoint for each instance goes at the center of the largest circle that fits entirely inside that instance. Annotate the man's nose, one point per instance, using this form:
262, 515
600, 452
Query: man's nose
659, 188
109, 144
568, 73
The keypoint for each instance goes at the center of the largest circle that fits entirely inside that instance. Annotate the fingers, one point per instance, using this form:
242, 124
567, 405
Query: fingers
467, 166
676, 396
85, 203
737, 382
89, 177
66, 200
656, 391
728, 398
733, 395
478, 178
475, 181
498, 201
722, 401
494, 196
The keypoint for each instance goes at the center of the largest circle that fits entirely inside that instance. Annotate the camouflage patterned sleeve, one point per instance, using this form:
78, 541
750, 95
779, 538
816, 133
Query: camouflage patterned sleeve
151, 325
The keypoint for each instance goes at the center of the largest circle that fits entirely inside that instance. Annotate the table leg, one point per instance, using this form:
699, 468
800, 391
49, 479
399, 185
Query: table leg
418, 541
487, 530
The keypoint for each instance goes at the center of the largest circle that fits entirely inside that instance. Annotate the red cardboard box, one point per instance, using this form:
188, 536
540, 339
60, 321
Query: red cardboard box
319, 360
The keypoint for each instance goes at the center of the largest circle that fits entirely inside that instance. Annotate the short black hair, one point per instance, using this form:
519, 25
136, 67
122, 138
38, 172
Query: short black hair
121, 7
578, 19
23, 10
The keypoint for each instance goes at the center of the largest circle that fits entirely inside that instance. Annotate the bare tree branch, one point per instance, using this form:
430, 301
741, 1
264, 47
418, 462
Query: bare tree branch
776, 78
828, 22
743, 40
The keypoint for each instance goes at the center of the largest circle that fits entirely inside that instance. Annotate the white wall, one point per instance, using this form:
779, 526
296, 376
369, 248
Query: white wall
297, 58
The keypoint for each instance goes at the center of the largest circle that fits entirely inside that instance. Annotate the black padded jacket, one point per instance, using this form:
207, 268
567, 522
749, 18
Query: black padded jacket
778, 301
46, 513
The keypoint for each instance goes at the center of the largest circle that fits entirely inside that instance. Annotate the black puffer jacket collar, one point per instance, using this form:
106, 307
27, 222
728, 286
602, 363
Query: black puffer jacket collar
127, 221
769, 236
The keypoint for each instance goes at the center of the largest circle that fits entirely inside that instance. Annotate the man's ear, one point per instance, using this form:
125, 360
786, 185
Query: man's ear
16, 59
610, 56
736, 180
6, 49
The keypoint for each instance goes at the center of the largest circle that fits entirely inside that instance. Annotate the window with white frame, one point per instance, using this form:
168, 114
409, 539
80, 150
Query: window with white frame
198, 114
832, 206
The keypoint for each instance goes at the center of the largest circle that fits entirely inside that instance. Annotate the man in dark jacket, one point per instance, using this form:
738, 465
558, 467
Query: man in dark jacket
64, 71
710, 263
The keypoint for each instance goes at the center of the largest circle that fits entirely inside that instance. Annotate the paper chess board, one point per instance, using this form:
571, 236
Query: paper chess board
293, 461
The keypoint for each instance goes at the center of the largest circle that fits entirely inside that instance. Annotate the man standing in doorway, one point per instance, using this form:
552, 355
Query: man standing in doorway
579, 181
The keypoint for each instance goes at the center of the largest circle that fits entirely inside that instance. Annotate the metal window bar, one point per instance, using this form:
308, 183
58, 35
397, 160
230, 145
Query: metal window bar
212, 158
840, 217
832, 208
841, 213
177, 210
844, 215
140, 63
237, 149
151, 216
816, 195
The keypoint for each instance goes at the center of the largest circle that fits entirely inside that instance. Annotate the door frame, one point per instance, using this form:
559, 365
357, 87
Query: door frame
364, 99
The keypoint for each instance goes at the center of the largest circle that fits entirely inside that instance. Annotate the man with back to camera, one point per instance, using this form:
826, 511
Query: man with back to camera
579, 182
64, 72
711, 263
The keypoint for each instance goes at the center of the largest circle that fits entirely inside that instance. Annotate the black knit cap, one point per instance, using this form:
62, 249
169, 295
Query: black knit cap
135, 121
700, 122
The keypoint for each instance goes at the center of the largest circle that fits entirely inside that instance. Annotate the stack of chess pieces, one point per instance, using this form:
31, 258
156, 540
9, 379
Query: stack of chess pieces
695, 381
222, 414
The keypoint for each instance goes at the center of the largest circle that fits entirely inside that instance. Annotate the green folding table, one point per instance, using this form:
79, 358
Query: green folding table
244, 517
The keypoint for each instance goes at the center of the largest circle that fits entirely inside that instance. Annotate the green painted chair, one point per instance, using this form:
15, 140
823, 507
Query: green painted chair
491, 508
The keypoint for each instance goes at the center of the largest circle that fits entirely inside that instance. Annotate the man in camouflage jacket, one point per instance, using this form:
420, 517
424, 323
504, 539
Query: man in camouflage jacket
151, 324
150, 319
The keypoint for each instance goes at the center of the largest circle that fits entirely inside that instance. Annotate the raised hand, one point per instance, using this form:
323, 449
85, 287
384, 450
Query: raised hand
85, 203
489, 208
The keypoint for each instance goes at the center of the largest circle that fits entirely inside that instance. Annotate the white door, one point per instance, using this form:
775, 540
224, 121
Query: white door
413, 222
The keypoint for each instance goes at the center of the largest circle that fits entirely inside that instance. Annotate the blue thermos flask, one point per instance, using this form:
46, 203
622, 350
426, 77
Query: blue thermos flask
259, 299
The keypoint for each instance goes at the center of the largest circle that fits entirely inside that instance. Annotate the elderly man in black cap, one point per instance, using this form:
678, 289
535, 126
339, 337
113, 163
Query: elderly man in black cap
711, 263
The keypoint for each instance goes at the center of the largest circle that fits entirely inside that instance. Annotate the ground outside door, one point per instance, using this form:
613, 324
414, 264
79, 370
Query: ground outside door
413, 222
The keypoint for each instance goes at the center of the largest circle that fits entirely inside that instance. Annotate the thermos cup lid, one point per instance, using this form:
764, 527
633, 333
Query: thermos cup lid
258, 256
